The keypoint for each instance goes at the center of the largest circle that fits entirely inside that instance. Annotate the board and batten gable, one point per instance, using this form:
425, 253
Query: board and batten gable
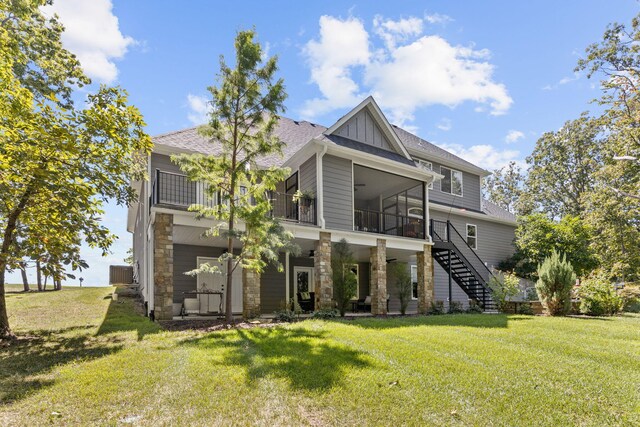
363, 128
337, 183
471, 194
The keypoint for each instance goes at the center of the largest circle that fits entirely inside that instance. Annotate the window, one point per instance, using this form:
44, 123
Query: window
428, 166
452, 181
415, 213
472, 236
414, 282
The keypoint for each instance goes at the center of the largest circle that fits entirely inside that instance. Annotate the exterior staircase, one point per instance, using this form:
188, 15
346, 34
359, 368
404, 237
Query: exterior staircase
461, 262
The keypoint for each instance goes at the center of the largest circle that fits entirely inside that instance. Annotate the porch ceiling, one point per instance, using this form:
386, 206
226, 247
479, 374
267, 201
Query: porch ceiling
186, 235
378, 182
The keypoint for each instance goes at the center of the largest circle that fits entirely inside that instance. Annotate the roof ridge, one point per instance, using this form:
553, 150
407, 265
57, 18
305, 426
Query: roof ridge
173, 132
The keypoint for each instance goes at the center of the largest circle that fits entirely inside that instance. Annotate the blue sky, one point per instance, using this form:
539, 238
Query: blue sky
483, 79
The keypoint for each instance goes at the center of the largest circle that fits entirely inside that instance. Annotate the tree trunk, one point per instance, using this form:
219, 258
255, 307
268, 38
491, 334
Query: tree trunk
58, 284
228, 312
25, 279
44, 286
39, 276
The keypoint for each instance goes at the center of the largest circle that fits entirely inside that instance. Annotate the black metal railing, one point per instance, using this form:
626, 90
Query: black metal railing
444, 231
291, 208
178, 192
388, 223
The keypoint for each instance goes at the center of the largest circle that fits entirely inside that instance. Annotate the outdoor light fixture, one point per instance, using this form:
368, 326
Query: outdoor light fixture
312, 253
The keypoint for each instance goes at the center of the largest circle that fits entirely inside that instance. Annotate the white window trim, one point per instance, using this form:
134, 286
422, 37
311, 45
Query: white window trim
461, 182
413, 267
466, 228
424, 163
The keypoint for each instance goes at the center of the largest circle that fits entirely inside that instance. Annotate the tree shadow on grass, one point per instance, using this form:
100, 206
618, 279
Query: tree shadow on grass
467, 320
306, 359
26, 363
122, 316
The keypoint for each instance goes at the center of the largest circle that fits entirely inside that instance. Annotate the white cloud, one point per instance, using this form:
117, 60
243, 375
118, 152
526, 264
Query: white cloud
410, 71
92, 33
199, 109
437, 18
563, 81
513, 136
343, 44
486, 156
444, 124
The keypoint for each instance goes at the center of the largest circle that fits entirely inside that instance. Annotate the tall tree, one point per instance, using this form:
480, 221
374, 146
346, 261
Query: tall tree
504, 187
58, 163
245, 108
562, 166
613, 207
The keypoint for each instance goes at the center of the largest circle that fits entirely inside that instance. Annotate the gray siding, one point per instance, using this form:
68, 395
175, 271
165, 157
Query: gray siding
164, 163
363, 128
273, 288
470, 191
300, 261
307, 175
392, 290
185, 259
337, 193
495, 243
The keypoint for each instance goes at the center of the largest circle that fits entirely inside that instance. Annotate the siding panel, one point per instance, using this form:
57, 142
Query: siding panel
272, 288
470, 191
338, 187
308, 175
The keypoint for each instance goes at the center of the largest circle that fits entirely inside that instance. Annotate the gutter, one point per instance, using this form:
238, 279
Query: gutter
320, 185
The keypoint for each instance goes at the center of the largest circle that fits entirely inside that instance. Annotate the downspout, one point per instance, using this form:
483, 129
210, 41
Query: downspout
320, 186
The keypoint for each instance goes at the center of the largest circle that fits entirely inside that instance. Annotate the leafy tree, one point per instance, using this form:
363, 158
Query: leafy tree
612, 207
344, 279
504, 286
245, 108
504, 188
404, 287
537, 237
129, 258
58, 163
555, 282
598, 297
562, 166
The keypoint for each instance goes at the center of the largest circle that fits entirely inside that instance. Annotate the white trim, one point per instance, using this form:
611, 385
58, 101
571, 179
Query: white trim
466, 235
451, 181
471, 168
320, 186
286, 277
353, 199
411, 268
299, 268
463, 212
430, 168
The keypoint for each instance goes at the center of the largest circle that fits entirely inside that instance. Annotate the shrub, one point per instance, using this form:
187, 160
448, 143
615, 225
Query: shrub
531, 294
455, 307
345, 281
631, 297
437, 307
556, 279
474, 307
284, 315
326, 313
503, 286
598, 297
404, 287
525, 309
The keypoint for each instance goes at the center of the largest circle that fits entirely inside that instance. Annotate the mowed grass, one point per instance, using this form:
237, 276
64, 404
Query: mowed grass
85, 360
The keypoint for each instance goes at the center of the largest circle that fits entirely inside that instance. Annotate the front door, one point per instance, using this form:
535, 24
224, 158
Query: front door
302, 280
216, 282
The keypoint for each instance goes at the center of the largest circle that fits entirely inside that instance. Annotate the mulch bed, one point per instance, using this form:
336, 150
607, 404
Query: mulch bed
211, 325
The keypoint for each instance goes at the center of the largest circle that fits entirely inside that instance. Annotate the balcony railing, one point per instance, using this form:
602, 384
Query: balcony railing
388, 223
178, 192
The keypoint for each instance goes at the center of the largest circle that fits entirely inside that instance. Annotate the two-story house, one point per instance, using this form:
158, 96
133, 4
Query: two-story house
393, 196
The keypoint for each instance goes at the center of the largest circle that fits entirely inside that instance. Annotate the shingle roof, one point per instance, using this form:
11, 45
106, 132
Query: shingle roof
295, 134
496, 211
412, 141
355, 145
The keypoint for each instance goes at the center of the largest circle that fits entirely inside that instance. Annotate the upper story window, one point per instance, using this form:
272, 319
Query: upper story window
472, 236
428, 166
452, 181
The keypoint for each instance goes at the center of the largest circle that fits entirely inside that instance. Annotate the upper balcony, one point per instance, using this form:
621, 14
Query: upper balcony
176, 191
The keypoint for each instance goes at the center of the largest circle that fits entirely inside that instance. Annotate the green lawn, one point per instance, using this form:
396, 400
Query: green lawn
85, 360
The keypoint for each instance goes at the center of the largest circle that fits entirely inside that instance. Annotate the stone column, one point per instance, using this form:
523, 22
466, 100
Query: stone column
163, 266
425, 280
322, 273
250, 294
378, 259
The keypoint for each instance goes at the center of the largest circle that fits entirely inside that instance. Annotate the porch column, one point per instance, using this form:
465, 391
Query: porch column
163, 266
378, 259
250, 294
425, 280
323, 286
